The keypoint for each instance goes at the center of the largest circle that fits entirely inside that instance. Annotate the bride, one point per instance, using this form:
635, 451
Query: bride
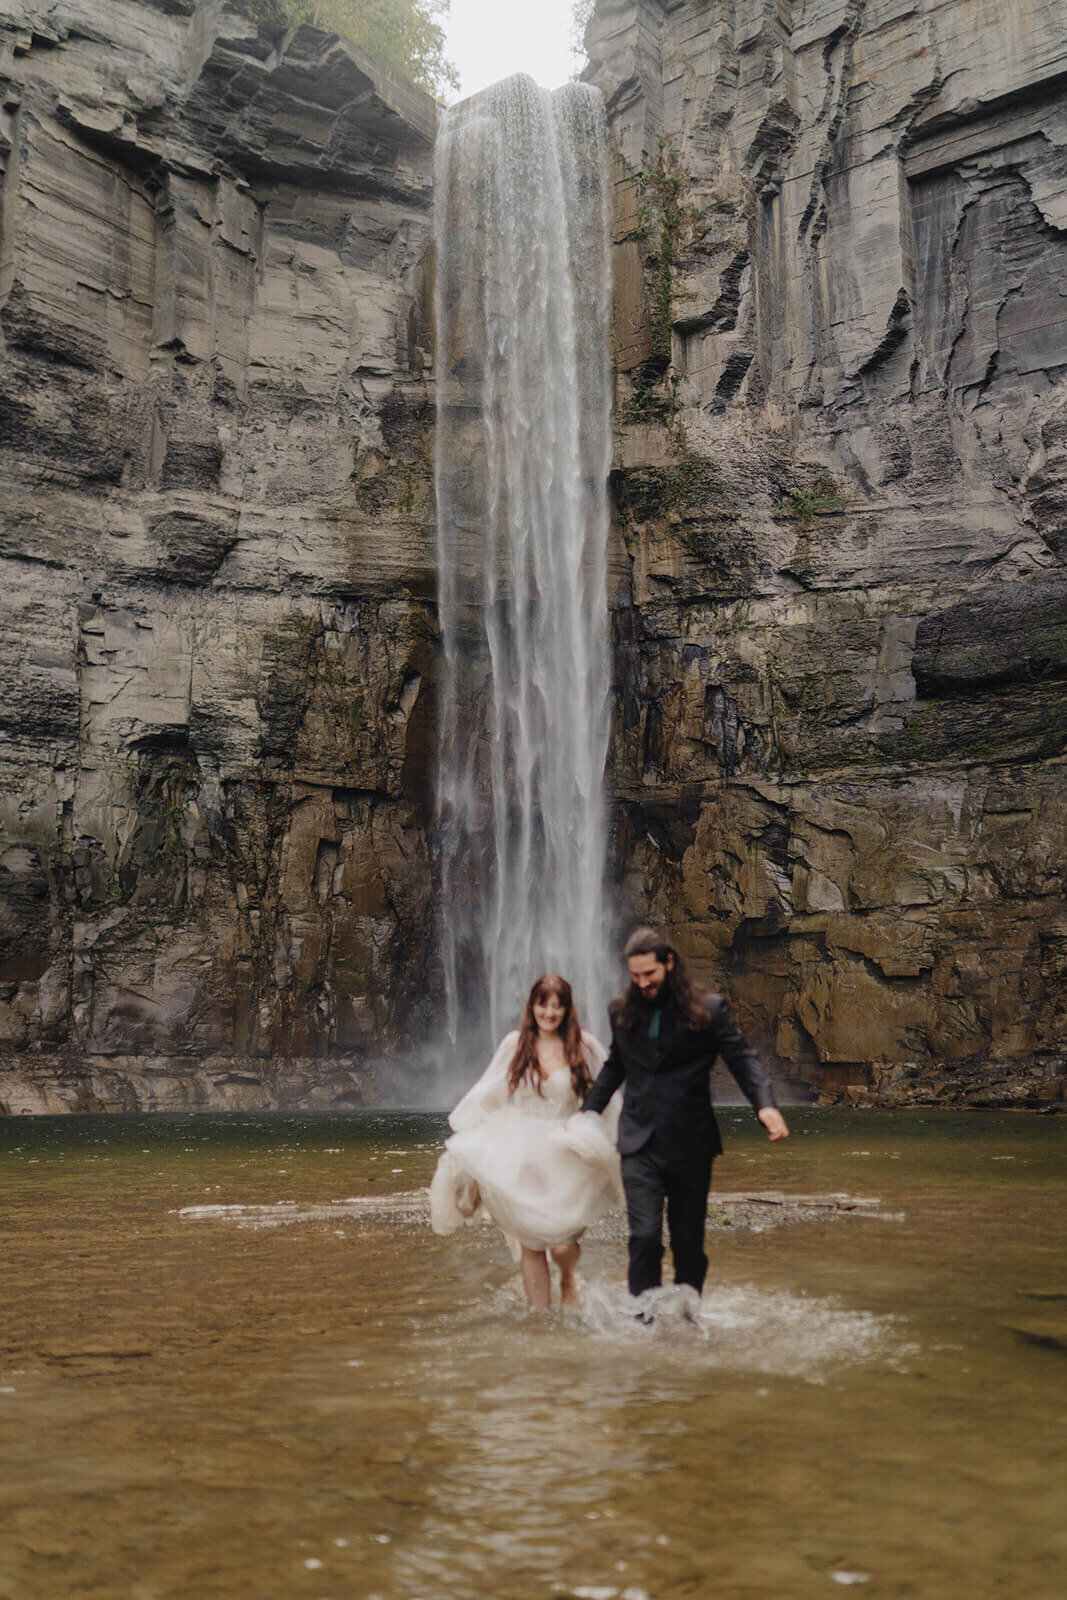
523, 1153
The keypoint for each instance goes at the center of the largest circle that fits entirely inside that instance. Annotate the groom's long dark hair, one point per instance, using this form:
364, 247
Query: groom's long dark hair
628, 1009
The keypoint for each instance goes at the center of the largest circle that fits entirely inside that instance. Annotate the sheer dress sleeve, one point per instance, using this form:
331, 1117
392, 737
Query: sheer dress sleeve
489, 1093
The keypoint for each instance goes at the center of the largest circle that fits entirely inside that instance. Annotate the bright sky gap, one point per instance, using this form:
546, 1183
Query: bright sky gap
488, 40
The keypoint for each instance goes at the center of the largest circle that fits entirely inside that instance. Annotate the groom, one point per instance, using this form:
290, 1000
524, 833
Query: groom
665, 1038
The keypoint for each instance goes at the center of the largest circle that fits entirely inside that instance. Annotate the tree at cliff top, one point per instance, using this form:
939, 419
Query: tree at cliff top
403, 33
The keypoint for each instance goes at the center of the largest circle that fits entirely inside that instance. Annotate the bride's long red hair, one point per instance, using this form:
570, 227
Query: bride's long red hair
525, 1066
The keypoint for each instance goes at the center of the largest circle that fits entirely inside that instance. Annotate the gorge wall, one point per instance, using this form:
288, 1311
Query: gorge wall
841, 481
837, 573
217, 559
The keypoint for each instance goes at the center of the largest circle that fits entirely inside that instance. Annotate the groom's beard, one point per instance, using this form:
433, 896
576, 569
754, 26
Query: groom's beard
648, 1002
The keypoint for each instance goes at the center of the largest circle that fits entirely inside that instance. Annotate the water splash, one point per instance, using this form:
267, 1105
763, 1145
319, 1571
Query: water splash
738, 1326
523, 452
732, 1327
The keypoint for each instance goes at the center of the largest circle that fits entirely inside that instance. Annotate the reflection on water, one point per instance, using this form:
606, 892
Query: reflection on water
214, 1404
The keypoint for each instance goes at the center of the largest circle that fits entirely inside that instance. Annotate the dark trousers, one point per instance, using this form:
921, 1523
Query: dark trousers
650, 1182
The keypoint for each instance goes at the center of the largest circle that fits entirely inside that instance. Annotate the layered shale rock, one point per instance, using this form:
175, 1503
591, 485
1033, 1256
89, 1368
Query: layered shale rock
219, 628
838, 580
840, 590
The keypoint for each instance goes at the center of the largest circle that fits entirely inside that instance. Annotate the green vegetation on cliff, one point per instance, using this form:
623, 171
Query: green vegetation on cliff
403, 33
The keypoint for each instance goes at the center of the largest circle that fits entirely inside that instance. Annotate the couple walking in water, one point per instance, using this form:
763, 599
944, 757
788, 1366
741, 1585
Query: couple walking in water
555, 1131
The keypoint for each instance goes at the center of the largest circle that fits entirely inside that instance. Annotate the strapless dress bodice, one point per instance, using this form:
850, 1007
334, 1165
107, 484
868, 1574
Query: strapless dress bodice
557, 1098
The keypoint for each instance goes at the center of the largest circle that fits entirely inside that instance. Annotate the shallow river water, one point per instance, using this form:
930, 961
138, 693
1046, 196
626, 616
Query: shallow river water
319, 1398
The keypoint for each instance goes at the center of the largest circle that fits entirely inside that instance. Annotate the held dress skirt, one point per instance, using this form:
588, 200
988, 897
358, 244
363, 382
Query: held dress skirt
539, 1168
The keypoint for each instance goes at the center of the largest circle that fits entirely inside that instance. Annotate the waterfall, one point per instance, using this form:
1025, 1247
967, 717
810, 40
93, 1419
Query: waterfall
523, 308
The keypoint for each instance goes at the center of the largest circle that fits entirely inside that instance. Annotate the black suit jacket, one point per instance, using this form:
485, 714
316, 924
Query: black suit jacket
667, 1081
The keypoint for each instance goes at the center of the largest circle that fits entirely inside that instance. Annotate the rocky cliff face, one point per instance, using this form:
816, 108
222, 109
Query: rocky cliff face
839, 586
215, 451
841, 480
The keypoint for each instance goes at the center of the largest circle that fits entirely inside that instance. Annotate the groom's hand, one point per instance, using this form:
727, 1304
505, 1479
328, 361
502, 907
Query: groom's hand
774, 1123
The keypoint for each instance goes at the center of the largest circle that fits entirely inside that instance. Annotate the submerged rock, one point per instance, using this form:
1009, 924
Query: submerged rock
1049, 1332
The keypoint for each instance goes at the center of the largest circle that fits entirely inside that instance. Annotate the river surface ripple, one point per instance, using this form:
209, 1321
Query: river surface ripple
319, 1398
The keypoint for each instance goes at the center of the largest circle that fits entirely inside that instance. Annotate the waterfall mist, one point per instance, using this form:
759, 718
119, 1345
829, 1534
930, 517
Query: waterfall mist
523, 306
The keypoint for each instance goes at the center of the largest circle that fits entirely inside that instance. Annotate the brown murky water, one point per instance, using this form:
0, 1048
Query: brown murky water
326, 1401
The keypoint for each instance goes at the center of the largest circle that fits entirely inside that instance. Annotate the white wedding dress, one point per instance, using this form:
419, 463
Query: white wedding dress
538, 1167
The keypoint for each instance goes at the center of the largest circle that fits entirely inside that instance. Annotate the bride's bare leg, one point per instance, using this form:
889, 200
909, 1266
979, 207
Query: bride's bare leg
566, 1258
535, 1279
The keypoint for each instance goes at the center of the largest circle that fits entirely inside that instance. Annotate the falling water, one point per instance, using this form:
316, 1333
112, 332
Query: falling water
523, 451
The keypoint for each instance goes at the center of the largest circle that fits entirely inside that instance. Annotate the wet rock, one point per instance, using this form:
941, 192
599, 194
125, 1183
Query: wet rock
1047, 1332
74, 1081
